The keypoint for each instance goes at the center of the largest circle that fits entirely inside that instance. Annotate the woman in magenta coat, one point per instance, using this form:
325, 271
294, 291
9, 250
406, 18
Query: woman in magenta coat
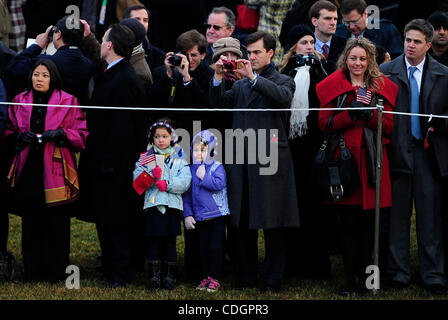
358, 77
43, 174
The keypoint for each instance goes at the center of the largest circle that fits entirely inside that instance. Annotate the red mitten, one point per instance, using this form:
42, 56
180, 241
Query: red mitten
157, 172
161, 185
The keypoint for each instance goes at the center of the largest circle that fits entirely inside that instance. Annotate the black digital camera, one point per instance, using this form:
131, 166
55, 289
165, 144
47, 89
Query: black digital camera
309, 60
51, 33
175, 60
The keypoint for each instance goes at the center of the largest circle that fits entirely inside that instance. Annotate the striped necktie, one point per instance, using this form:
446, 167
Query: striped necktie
325, 51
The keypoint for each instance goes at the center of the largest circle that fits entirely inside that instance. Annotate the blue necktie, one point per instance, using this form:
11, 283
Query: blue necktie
415, 95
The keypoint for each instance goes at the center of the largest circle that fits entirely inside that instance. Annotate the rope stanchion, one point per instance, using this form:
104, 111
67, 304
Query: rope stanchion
379, 166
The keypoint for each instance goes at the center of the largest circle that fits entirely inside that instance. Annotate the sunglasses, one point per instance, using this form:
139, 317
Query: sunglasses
215, 27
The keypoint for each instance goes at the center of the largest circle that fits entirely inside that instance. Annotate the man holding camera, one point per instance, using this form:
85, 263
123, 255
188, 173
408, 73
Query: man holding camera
183, 80
74, 67
259, 201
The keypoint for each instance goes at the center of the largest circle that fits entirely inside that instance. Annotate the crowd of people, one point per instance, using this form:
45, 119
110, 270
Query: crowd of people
88, 132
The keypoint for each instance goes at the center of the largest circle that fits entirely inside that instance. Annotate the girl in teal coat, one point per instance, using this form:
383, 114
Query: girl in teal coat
163, 204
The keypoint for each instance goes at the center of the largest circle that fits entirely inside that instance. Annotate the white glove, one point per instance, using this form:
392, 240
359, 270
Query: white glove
189, 222
200, 172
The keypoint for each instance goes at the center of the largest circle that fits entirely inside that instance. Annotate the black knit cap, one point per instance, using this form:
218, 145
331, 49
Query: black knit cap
296, 33
438, 18
136, 27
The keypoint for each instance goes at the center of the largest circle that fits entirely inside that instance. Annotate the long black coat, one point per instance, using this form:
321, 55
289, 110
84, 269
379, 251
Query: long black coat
433, 100
272, 198
112, 146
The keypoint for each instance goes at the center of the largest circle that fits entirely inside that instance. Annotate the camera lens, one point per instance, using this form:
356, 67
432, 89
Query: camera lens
228, 66
175, 60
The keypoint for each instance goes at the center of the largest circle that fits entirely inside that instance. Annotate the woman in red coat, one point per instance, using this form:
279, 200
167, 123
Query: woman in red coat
360, 81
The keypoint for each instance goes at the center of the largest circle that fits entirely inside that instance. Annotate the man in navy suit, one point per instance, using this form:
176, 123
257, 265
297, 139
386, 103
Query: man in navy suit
418, 159
74, 67
324, 17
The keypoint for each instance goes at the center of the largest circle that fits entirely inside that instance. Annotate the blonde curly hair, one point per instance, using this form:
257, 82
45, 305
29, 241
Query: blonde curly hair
372, 74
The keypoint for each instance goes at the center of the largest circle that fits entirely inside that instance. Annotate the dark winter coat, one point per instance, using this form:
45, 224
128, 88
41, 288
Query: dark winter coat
112, 146
272, 198
433, 100
386, 36
74, 67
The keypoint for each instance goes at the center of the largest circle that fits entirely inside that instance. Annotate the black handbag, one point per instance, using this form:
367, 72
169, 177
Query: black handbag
335, 178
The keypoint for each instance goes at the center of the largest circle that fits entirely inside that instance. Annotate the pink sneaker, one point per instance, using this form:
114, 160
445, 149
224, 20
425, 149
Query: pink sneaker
213, 285
204, 284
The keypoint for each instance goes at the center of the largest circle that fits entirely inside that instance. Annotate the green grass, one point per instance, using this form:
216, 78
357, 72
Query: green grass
85, 249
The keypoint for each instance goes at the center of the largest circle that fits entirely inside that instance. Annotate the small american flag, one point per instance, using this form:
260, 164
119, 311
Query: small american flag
146, 157
364, 95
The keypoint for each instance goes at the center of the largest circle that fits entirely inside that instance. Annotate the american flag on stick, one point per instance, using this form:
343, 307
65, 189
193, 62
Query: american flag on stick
146, 157
364, 95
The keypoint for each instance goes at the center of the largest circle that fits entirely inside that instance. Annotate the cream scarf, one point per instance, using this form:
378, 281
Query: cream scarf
298, 125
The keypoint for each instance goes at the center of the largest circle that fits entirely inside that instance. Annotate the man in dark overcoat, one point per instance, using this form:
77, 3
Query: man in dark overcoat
258, 199
112, 149
418, 156
75, 69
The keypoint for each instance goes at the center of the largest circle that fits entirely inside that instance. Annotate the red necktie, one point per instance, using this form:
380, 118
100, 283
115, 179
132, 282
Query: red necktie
325, 51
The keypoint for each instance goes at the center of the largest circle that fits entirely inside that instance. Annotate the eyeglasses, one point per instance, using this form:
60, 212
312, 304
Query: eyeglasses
355, 23
215, 27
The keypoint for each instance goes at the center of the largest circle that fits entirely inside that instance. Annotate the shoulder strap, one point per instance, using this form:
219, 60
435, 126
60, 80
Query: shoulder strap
341, 100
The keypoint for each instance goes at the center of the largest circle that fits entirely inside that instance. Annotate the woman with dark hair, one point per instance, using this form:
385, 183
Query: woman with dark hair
358, 83
308, 255
43, 176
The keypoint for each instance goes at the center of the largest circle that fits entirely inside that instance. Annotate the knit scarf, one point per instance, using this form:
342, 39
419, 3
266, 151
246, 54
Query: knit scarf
138, 49
298, 125
166, 152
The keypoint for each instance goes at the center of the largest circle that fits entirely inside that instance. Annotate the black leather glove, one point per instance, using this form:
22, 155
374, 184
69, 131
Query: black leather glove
24, 139
58, 136
364, 115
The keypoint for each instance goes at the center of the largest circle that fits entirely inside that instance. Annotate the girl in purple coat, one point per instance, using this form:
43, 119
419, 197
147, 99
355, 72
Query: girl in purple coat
205, 208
